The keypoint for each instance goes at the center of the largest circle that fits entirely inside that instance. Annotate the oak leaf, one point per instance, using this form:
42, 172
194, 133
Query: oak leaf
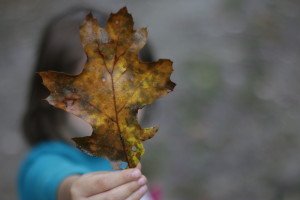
112, 87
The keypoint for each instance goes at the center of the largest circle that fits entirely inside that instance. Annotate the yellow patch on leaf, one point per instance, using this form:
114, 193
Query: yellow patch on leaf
113, 85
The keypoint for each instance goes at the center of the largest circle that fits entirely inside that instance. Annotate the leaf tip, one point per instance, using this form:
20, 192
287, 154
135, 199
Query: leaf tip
89, 16
42, 75
124, 9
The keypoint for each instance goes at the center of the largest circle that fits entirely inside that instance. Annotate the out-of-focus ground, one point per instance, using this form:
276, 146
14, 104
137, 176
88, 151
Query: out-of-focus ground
231, 128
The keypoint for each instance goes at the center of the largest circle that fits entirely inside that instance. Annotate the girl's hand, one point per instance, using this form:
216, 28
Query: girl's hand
127, 184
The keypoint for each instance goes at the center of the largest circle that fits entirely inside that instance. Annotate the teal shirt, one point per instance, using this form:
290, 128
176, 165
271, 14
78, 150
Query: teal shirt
48, 163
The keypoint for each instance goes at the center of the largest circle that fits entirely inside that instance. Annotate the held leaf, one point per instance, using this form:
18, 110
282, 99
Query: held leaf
113, 85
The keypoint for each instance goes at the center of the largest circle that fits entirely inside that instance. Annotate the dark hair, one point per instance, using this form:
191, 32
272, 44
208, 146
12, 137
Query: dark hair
60, 50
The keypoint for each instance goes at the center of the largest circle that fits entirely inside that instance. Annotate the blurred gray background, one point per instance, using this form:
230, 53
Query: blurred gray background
230, 130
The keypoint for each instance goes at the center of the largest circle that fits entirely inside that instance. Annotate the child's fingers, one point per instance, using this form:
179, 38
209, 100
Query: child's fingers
97, 183
123, 191
137, 195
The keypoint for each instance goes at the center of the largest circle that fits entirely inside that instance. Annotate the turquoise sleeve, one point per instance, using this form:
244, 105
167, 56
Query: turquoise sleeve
40, 178
48, 164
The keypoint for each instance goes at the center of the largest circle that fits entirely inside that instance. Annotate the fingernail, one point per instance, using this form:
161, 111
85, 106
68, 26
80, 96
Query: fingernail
136, 173
142, 181
143, 189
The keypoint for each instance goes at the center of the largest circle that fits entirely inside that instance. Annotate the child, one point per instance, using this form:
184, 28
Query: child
54, 169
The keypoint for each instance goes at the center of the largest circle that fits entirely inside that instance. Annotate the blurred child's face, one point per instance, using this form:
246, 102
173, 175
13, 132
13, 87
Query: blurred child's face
79, 127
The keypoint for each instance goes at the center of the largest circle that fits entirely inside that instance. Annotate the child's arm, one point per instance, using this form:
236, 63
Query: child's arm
54, 168
119, 185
